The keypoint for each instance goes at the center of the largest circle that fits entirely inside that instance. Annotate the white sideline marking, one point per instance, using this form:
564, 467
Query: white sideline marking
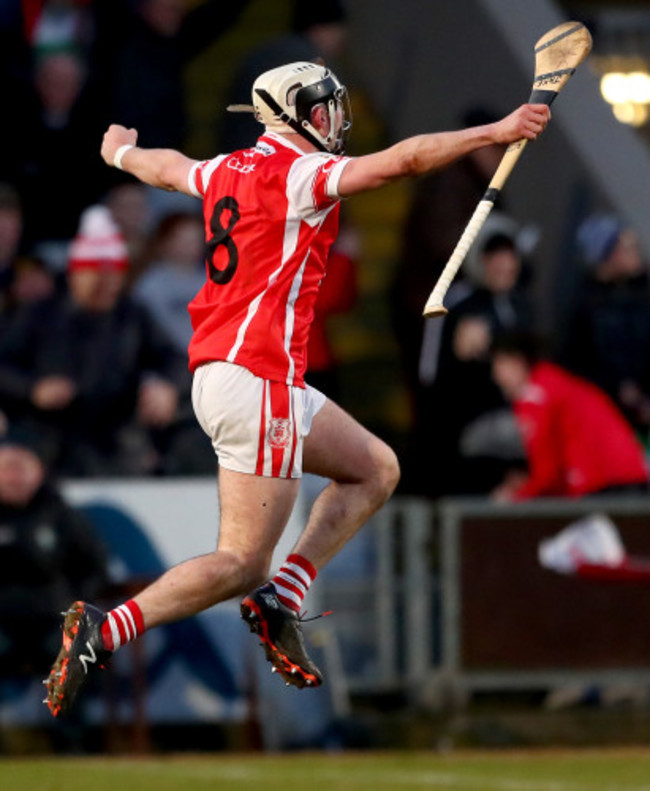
479, 783
476, 782
393, 780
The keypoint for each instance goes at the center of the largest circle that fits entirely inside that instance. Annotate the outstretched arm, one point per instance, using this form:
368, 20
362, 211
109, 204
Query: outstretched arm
159, 167
424, 153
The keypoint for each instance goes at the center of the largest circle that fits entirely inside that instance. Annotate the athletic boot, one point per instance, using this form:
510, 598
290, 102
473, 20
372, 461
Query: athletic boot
278, 627
81, 652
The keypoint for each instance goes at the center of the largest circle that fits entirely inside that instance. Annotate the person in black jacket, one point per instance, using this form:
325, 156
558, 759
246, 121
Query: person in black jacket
140, 55
47, 551
608, 338
91, 370
470, 420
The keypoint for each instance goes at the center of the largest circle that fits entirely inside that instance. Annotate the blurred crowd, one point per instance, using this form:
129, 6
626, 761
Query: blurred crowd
96, 272
515, 415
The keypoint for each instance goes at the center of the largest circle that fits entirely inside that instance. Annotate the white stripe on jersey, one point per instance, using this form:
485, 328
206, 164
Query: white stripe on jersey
291, 233
300, 209
290, 316
334, 178
250, 314
290, 242
205, 174
191, 180
300, 182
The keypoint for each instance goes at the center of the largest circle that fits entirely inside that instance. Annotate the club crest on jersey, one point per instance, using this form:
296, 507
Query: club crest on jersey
279, 432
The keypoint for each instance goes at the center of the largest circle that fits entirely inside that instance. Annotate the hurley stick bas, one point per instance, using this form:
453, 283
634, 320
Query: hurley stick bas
558, 54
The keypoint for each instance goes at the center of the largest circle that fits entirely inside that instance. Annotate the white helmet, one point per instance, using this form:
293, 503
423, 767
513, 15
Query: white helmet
283, 99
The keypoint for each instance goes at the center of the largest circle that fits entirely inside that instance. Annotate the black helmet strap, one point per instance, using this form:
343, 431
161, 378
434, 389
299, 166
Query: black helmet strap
265, 96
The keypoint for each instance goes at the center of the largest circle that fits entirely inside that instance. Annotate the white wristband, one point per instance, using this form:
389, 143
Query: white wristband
121, 151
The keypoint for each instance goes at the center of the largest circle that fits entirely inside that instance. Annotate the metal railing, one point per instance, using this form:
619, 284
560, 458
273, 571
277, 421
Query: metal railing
412, 615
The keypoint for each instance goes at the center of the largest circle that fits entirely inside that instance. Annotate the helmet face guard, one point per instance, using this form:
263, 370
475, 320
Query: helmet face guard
284, 98
334, 96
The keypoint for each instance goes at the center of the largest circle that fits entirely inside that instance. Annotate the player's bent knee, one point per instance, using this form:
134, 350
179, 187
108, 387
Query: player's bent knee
256, 576
392, 472
386, 471
254, 572
245, 571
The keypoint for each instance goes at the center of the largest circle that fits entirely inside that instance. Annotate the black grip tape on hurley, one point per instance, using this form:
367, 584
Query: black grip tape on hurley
540, 96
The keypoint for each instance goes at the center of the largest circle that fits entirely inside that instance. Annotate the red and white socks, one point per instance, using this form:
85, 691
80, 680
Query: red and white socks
125, 623
293, 580
122, 625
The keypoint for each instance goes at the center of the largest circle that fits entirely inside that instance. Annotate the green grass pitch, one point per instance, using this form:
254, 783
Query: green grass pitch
544, 770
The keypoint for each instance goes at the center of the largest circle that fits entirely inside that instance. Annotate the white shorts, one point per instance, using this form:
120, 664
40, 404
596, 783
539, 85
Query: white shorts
256, 426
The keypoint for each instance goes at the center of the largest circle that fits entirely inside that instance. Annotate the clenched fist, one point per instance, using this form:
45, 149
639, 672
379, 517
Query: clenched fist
115, 137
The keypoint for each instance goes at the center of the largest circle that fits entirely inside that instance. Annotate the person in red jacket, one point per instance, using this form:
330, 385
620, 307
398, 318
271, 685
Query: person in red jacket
577, 442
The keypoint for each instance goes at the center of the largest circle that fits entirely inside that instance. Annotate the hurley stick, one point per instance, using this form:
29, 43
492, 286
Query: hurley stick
558, 53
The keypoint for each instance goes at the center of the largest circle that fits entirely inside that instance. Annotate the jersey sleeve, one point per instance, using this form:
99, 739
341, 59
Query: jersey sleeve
201, 173
313, 181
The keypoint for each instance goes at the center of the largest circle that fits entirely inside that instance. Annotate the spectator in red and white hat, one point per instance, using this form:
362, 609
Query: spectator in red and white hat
92, 370
98, 261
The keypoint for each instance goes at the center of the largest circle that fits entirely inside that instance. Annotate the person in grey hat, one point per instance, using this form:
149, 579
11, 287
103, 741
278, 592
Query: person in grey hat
608, 335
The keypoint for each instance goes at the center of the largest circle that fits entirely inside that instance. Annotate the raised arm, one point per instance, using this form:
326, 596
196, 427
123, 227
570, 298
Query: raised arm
159, 167
425, 153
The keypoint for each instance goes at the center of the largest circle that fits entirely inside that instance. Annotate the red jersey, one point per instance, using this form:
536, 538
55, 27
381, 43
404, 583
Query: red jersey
271, 216
576, 440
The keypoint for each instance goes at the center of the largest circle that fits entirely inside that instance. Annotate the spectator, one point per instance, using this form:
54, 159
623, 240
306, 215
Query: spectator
577, 442
11, 232
92, 371
129, 205
142, 50
23, 278
58, 131
63, 24
441, 205
476, 434
175, 276
47, 550
16, 22
31, 282
608, 341
318, 31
